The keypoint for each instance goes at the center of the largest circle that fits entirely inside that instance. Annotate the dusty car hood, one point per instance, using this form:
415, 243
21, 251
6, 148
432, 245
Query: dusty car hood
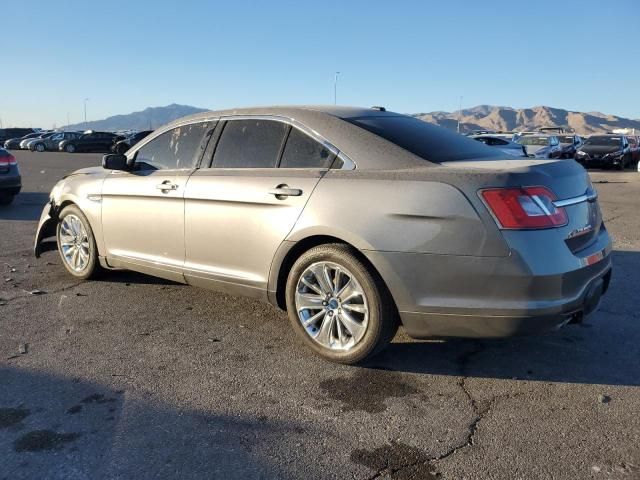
87, 171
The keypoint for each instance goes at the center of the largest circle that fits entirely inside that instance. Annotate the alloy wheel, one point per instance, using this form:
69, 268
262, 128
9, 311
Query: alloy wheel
74, 242
331, 306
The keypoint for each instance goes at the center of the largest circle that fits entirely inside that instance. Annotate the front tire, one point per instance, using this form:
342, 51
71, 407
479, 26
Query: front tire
338, 306
40, 147
76, 244
70, 148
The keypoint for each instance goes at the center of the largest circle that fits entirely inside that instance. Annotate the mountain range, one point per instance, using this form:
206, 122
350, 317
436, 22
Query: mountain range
482, 117
148, 119
489, 117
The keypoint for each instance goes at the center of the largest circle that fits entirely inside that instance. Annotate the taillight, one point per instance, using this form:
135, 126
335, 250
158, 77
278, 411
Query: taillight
524, 208
7, 160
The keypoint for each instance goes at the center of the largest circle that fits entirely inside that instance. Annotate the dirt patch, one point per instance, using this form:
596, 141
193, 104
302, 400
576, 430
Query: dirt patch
367, 390
12, 416
397, 460
42, 440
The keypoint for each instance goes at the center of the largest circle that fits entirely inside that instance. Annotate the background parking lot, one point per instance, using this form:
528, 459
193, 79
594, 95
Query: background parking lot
137, 377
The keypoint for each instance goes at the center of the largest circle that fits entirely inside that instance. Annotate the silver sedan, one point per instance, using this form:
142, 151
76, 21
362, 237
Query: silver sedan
353, 220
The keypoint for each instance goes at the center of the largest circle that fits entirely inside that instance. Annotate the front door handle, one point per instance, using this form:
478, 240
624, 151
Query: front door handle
167, 185
283, 191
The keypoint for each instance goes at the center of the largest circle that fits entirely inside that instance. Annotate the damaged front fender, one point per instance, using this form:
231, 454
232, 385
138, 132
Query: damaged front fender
46, 227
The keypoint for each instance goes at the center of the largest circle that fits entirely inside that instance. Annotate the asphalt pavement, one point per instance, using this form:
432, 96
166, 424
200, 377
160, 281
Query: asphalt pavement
132, 377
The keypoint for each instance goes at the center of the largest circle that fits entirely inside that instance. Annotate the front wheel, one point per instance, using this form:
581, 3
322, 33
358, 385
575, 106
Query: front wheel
70, 148
338, 306
40, 147
76, 243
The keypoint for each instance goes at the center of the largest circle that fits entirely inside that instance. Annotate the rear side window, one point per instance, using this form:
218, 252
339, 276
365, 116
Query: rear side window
178, 148
302, 151
433, 143
249, 144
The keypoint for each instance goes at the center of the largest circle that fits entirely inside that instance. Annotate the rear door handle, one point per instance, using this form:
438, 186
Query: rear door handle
283, 191
167, 185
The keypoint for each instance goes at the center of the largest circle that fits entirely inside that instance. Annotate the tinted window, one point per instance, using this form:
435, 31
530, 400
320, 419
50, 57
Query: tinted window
249, 144
433, 143
177, 148
302, 151
604, 141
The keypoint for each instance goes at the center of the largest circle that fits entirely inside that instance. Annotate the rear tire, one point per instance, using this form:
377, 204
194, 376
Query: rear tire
6, 198
360, 314
74, 232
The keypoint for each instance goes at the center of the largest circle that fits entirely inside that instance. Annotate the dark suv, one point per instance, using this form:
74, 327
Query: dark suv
7, 133
90, 142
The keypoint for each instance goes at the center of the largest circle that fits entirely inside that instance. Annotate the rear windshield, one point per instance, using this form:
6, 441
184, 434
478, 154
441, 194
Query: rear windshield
604, 141
529, 140
433, 143
565, 139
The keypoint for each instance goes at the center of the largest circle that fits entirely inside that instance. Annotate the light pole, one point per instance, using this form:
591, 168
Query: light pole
85, 112
459, 113
335, 88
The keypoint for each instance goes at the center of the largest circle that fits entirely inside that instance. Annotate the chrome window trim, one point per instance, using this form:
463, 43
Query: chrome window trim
589, 196
156, 133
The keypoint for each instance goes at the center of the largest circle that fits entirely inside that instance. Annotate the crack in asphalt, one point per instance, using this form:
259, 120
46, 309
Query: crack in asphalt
401, 461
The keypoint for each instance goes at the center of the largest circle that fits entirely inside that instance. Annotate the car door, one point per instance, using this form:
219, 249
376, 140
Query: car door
52, 142
240, 209
143, 209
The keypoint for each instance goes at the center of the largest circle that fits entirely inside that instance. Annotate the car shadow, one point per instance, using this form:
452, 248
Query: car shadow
604, 349
81, 429
26, 206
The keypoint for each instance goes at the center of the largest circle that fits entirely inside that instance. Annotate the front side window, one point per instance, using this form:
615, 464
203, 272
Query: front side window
302, 151
178, 148
249, 144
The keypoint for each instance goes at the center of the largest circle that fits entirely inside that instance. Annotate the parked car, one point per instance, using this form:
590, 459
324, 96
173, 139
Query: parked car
502, 144
24, 144
605, 151
570, 143
123, 145
90, 141
634, 146
10, 181
14, 143
541, 146
7, 133
52, 142
354, 220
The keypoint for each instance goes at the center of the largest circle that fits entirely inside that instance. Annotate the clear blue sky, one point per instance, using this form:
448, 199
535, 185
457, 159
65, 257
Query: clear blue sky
410, 56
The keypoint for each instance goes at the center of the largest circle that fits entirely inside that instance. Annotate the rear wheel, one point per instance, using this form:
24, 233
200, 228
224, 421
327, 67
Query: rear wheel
6, 198
76, 244
70, 148
338, 306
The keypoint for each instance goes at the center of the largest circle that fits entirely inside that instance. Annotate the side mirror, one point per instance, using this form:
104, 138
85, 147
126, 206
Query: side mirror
115, 162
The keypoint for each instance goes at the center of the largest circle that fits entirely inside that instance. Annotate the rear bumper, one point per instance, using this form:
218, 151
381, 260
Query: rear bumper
489, 297
11, 182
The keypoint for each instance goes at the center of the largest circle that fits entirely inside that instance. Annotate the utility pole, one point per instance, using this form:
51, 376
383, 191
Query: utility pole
85, 112
335, 88
68, 122
459, 113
